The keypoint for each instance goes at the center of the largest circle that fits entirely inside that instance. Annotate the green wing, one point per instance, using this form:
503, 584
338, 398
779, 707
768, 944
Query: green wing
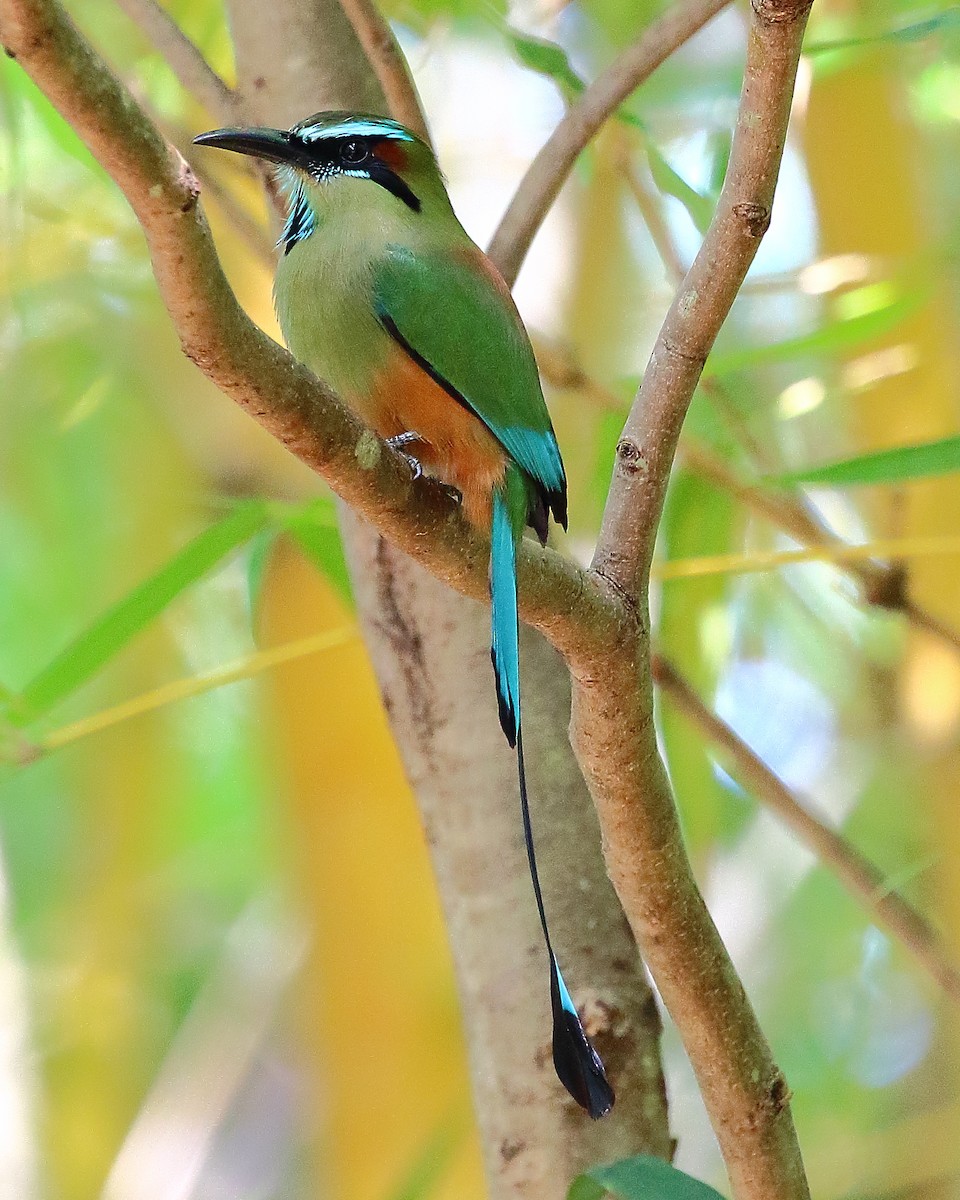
451, 317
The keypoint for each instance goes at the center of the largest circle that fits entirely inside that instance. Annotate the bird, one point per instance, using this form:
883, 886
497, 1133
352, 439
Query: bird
380, 291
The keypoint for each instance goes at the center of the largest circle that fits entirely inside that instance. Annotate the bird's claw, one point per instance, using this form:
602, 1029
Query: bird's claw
398, 441
449, 490
415, 465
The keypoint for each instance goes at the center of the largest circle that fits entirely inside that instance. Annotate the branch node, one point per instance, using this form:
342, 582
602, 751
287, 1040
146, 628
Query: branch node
674, 350
626, 598
778, 12
888, 588
755, 217
631, 458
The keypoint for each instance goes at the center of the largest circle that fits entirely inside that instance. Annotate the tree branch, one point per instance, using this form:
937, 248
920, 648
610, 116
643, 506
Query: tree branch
886, 906
279, 393
885, 584
388, 64
598, 627
195, 74
545, 176
646, 449
612, 724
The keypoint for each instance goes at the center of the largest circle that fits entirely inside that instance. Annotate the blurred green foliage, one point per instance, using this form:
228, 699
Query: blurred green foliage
152, 866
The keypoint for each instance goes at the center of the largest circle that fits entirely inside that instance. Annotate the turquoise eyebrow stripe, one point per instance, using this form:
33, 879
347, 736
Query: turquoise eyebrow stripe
356, 129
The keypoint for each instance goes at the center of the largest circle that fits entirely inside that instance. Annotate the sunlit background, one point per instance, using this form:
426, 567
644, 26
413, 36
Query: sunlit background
223, 973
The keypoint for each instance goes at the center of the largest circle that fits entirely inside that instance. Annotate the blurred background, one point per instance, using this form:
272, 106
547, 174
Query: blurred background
223, 972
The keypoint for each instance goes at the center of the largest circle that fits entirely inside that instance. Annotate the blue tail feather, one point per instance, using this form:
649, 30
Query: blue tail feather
577, 1064
505, 645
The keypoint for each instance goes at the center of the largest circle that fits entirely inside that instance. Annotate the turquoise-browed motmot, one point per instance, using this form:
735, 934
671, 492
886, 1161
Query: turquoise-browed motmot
381, 293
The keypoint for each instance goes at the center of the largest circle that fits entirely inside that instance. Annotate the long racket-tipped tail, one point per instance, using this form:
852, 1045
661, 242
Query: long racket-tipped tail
577, 1064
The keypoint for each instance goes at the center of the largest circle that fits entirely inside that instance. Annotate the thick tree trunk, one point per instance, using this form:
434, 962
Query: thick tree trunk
431, 653
430, 650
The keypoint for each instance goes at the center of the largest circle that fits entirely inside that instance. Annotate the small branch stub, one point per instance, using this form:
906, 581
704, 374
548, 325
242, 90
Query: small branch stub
630, 457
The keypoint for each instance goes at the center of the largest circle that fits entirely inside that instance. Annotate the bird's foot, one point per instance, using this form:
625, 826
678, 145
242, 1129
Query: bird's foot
403, 439
407, 439
415, 465
449, 490
398, 441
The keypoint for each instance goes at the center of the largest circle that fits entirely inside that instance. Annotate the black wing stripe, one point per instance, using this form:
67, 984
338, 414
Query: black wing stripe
391, 327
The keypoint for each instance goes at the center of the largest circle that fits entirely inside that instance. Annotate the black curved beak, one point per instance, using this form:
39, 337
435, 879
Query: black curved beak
274, 145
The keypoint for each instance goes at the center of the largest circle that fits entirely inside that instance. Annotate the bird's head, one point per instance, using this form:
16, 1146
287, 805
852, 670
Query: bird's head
341, 160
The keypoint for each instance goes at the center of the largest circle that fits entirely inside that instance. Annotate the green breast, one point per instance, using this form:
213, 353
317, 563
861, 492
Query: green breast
323, 296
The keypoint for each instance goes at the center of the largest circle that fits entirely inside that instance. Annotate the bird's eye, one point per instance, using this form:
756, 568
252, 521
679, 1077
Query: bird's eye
354, 153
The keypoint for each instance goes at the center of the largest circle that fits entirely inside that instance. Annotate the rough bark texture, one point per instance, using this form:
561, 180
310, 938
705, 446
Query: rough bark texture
430, 651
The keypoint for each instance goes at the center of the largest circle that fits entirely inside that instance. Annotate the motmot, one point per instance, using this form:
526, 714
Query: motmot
381, 293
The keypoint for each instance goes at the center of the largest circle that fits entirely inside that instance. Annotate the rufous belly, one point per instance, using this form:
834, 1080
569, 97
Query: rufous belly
453, 444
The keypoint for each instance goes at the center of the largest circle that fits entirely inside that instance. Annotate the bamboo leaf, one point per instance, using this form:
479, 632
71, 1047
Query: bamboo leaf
89, 652
261, 547
950, 19
546, 58
831, 337
550, 60
667, 180
898, 465
314, 528
640, 1178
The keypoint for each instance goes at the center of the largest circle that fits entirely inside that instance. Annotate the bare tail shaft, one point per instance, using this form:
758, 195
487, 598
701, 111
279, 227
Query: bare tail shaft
577, 1064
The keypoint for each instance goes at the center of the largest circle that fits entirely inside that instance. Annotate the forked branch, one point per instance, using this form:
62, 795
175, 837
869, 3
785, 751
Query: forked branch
279, 393
595, 619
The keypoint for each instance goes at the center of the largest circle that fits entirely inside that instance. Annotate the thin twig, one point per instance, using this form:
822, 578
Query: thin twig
858, 874
195, 685
744, 1092
925, 620
183, 57
646, 449
653, 217
841, 555
545, 176
388, 64
885, 584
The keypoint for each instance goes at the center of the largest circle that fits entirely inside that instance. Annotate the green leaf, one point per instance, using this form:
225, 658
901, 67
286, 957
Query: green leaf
80, 660
585, 1188
314, 529
550, 60
642, 1178
950, 19
898, 465
667, 180
831, 337
261, 547
546, 58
